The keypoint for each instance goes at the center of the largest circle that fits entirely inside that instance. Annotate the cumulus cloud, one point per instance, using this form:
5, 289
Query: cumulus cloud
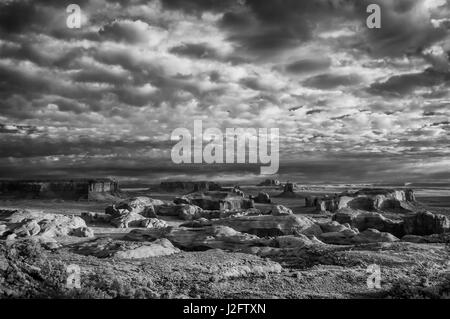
105, 98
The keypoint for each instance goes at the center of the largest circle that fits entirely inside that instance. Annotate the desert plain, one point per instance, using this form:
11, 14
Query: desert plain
293, 241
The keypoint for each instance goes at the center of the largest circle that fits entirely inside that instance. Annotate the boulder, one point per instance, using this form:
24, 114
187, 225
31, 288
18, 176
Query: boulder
269, 225
426, 223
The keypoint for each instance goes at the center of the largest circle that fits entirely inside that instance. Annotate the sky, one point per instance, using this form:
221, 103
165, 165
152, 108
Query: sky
352, 104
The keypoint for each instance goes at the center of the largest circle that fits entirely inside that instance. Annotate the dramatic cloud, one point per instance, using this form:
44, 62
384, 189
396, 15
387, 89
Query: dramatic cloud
351, 103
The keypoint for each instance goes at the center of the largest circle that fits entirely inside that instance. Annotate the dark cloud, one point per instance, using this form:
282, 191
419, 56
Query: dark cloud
399, 85
309, 65
330, 81
195, 50
314, 111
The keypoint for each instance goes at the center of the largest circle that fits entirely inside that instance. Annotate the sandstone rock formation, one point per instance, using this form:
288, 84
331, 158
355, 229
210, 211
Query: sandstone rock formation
96, 218
28, 224
280, 210
106, 247
366, 199
351, 236
208, 237
289, 191
58, 189
269, 225
262, 198
270, 182
130, 219
220, 201
188, 187
182, 211
138, 205
426, 223
363, 220
420, 223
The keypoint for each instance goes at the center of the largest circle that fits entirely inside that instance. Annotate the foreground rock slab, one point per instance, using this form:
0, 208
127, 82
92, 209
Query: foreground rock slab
18, 224
103, 248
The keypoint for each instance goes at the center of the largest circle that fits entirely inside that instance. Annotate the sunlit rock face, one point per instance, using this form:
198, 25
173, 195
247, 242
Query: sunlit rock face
366, 199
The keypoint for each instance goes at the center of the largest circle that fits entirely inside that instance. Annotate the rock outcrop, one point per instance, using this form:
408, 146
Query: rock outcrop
270, 182
420, 223
106, 247
351, 237
138, 205
366, 199
77, 189
269, 225
188, 187
426, 223
363, 220
280, 210
208, 237
19, 224
262, 198
220, 201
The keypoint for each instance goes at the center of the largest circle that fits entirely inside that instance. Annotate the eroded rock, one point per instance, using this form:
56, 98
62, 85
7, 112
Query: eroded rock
104, 248
280, 210
269, 225
209, 237
426, 223
363, 220
20, 224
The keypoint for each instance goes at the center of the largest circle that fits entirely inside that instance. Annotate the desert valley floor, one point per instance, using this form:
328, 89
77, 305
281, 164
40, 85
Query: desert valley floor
313, 254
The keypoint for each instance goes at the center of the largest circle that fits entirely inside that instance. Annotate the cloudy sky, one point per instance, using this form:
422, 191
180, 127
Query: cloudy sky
352, 104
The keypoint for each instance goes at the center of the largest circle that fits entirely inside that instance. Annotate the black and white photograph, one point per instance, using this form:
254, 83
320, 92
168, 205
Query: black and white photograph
214, 150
